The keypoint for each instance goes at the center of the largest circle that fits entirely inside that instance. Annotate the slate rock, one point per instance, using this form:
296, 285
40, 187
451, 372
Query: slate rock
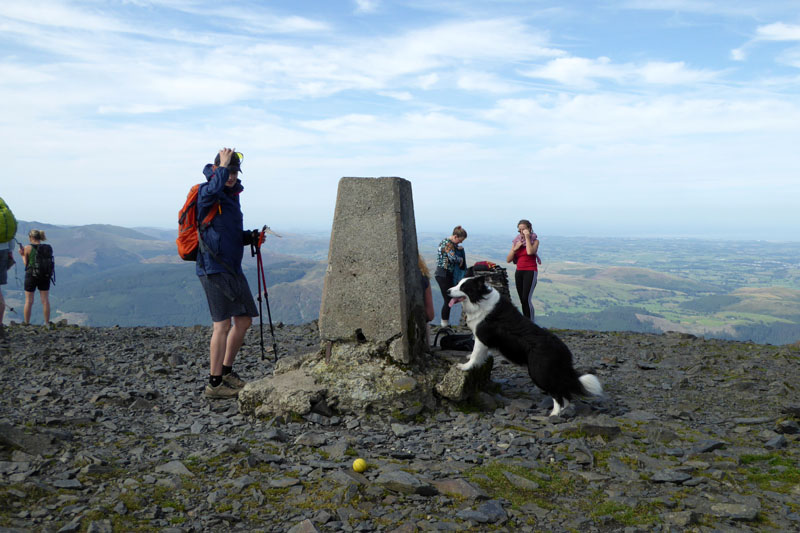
494, 511
460, 488
735, 511
174, 467
313, 439
402, 430
68, 484
681, 519
707, 446
31, 443
70, 527
473, 515
306, 526
100, 526
520, 482
602, 428
670, 476
402, 481
776, 443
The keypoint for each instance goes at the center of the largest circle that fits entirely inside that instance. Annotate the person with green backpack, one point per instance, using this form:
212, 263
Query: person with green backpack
8, 229
39, 272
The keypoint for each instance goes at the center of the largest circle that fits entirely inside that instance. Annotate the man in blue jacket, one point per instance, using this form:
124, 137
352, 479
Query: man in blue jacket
219, 267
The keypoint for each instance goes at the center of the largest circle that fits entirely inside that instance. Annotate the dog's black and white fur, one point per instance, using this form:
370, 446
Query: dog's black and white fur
498, 325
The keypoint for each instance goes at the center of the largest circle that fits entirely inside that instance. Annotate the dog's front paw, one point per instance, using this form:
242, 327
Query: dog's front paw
464, 366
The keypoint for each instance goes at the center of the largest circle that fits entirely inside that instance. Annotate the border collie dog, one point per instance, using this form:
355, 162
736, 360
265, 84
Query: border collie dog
497, 324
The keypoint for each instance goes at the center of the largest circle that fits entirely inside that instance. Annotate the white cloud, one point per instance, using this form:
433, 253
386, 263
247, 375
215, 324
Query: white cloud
778, 31
675, 73
473, 41
15, 74
403, 96
607, 118
366, 6
57, 14
577, 71
775, 32
148, 76
737, 8
427, 81
791, 58
359, 128
484, 82
584, 72
312, 97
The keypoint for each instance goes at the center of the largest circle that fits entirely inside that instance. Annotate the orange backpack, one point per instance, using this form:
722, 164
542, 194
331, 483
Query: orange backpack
188, 230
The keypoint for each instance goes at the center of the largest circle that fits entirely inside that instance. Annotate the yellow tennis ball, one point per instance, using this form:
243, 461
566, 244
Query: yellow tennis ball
359, 465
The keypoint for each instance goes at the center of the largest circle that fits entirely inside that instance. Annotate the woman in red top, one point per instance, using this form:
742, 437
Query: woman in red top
523, 254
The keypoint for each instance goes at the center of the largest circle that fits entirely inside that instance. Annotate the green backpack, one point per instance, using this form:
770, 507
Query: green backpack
8, 224
41, 263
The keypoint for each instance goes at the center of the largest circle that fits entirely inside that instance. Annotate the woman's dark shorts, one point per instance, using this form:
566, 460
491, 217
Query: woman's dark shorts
228, 296
31, 283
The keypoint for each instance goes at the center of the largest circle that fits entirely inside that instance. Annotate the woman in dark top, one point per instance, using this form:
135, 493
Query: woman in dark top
449, 259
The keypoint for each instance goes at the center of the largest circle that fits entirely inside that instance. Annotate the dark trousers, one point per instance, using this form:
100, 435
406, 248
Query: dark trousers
445, 281
526, 282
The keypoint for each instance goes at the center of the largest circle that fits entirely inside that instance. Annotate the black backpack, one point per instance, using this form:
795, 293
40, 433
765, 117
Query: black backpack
42, 264
463, 342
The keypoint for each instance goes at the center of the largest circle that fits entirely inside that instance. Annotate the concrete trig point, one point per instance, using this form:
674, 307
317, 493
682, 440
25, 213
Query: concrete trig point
372, 320
373, 291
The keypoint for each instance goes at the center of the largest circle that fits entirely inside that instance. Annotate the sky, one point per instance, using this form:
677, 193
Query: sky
608, 118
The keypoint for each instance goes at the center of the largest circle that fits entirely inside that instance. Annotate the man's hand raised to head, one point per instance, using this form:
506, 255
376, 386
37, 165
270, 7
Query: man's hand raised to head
225, 157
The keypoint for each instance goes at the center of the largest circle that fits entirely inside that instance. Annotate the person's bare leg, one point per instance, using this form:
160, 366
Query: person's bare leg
26, 311
2, 307
219, 338
236, 338
45, 295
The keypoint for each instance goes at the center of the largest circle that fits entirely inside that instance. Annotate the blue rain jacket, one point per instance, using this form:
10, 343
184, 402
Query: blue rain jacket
225, 235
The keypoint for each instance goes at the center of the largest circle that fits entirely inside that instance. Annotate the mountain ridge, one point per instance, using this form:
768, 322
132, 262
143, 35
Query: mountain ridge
109, 275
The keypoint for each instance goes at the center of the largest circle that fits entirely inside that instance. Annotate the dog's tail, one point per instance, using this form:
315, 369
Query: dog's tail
591, 384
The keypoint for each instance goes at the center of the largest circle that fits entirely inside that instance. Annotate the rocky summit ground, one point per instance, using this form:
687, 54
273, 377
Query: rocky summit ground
106, 429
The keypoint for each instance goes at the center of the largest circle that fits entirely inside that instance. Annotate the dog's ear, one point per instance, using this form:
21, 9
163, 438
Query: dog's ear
483, 285
470, 272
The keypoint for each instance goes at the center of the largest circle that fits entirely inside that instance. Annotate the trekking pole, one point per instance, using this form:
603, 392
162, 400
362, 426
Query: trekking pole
262, 280
260, 314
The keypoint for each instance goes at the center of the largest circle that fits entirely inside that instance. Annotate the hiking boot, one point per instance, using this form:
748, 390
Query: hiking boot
220, 391
233, 381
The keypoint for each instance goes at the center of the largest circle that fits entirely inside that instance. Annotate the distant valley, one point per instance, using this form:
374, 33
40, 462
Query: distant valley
748, 290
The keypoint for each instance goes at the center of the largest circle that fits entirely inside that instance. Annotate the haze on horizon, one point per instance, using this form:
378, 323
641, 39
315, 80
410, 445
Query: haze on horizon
634, 118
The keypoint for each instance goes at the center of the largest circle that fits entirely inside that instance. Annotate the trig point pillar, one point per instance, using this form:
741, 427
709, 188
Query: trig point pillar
373, 291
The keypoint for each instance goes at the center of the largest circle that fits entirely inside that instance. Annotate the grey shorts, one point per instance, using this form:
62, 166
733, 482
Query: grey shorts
228, 296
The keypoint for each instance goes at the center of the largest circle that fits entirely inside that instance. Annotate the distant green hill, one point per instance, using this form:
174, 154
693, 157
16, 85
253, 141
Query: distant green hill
107, 275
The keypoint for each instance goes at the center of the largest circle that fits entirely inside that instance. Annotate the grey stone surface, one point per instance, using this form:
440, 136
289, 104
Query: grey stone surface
698, 462
372, 288
283, 394
460, 488
458, 385
306, 526
401, 481
174, 467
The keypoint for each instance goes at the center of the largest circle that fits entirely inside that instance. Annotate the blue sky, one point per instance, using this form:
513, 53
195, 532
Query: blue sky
606, 118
